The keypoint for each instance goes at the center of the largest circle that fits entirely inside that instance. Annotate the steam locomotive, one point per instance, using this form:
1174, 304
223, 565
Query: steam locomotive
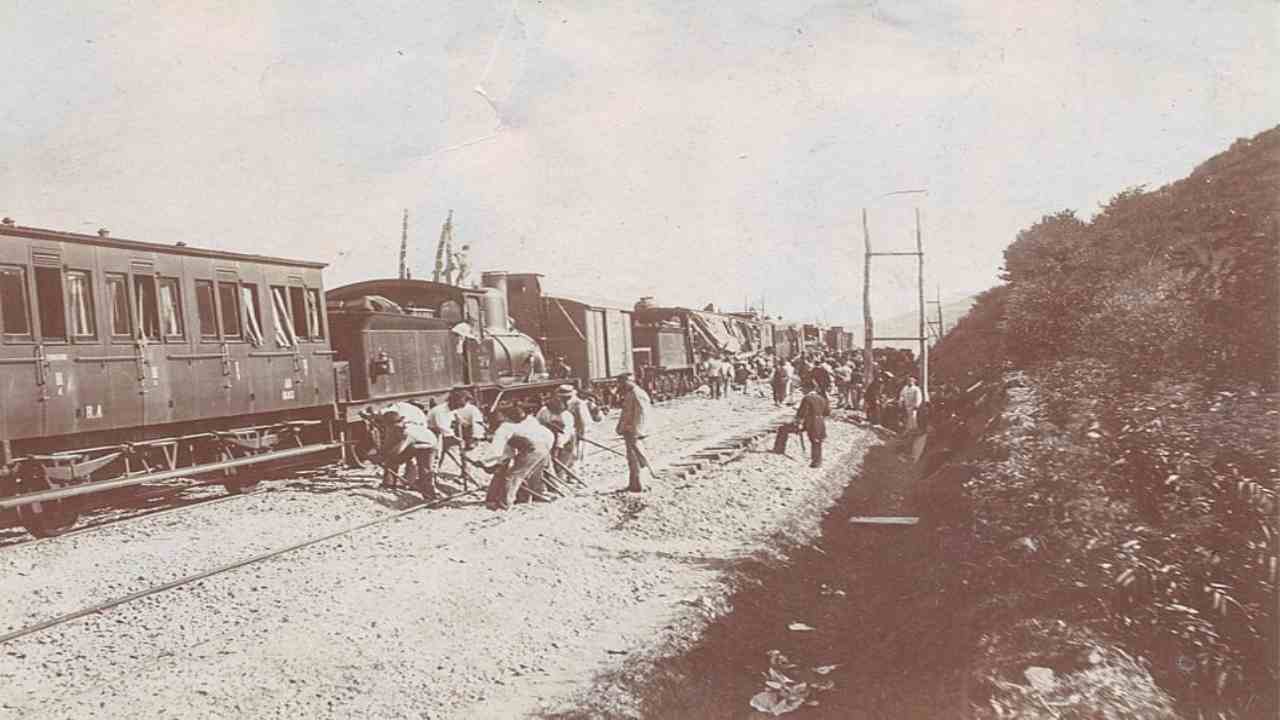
126, 362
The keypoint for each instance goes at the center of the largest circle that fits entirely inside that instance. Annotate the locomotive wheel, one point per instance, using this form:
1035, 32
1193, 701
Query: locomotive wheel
45, 519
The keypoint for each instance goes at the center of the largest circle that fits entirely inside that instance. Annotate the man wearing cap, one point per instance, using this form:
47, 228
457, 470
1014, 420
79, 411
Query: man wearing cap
580, 410
632, 426
557, 418
407, 441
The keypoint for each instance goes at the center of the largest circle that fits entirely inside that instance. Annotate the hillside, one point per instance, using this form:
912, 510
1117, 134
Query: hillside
1106, 428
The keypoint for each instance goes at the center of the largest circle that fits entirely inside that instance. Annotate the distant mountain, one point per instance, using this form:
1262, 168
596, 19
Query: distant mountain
907, 324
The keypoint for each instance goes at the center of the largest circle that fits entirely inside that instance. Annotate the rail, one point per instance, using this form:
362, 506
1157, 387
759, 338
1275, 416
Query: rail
96, 487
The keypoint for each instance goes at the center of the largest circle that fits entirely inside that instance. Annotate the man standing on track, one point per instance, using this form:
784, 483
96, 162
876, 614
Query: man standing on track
522, 460
407, 441
632, 426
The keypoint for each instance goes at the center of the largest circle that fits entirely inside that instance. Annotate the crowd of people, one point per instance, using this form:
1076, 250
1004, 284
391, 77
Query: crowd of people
534, 447
532, 452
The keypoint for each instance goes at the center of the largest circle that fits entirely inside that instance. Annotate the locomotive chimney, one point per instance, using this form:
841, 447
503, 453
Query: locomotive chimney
495, 279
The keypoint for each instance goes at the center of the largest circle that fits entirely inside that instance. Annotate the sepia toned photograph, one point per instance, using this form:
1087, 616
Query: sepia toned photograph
569, 360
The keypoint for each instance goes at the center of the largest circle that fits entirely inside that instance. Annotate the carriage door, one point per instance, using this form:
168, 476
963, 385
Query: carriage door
52, 352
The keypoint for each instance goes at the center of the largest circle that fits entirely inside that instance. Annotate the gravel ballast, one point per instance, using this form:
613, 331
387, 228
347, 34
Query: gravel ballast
456, 612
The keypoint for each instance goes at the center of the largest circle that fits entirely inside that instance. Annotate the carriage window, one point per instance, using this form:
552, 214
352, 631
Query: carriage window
313, 314
285, 334
144, 296
118, 305
80, 304
49, 303
13, 301
298, 309
206, 310
249, 313
170, 308
229, 299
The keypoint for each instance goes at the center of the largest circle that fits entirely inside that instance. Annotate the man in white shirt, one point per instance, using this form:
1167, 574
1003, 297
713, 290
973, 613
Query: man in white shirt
522, 460
556, 417
443, 419
407, 441
911, 397
471, 421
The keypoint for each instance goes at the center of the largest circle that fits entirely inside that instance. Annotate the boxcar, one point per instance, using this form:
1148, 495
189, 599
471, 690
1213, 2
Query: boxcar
664, 355
120, 357
592, 336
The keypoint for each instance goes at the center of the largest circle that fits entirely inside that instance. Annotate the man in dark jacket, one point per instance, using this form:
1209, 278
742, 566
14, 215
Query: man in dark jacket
811, 419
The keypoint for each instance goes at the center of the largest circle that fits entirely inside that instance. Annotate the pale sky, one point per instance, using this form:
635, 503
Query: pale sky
698, 152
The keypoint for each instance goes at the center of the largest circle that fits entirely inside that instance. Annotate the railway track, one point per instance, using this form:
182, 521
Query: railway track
718, 446
171, 500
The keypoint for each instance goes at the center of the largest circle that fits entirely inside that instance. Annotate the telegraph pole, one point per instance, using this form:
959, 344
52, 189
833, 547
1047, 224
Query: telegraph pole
922, 338
937, 324
868, 365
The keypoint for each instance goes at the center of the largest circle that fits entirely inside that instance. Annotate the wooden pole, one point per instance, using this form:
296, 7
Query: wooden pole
941, 330
868, 365
924, 338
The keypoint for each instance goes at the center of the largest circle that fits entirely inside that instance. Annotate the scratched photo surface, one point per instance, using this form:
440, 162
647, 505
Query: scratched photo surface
1024, 252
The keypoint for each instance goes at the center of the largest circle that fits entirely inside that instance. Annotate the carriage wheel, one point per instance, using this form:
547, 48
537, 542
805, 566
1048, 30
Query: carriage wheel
233, 482
44, 519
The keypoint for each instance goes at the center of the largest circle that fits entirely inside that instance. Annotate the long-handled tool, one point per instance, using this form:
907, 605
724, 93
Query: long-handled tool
604, 447
571, 473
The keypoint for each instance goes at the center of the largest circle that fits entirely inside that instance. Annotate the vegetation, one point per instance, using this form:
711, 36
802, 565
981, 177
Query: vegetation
1128, 488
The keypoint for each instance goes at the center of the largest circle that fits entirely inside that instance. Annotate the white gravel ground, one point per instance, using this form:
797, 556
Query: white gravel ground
456, 612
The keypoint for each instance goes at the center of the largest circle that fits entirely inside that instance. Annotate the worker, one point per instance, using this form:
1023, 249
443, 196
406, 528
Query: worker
522, 458
822, 377
556, 417
911, 398
780, 381
580, 410
632, 426
407, 441
844, 377
471, 421
442, 418
810, 419
871, 397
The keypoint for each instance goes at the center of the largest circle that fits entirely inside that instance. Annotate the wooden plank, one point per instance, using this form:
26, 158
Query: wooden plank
883, 520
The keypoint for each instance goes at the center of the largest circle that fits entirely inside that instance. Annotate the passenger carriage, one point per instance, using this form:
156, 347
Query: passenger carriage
124, 362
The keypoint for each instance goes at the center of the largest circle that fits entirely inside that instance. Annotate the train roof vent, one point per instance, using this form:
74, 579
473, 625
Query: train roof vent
7, 221
103, 232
